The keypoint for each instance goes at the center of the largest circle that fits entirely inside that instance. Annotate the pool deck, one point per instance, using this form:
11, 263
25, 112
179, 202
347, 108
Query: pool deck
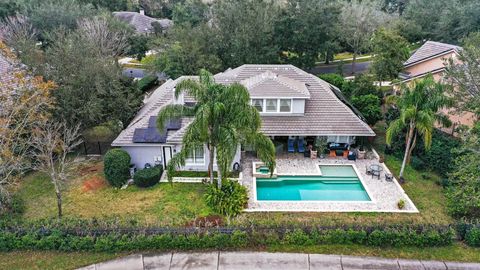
385, 195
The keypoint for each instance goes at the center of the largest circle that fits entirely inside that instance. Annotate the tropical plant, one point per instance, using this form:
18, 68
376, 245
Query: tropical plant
419, 104
223, 119
229, 200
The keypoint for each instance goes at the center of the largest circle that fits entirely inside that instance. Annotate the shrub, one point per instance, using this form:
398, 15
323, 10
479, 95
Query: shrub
369, 106
334, 79
401, 204
116, 167
147, 177
147, 83
230, 200
463, 198
472, 237
417, 163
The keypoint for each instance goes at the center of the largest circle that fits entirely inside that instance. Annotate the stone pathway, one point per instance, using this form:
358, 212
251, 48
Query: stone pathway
266, 261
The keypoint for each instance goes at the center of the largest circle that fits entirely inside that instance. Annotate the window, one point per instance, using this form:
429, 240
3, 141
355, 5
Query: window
258, 104
196, 157
271, 105
285, 105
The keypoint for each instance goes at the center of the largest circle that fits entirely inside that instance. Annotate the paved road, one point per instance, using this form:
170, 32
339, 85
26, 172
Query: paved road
347, 68
267, 261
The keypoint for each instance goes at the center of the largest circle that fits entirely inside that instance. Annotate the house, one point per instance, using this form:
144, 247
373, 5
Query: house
292, 104
141, 23
431, 58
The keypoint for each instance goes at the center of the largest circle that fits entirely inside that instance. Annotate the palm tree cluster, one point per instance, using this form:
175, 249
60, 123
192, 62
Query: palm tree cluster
223, 119
420, 105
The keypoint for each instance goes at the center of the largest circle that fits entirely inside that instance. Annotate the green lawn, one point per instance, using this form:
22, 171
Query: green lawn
163, 204
44, 260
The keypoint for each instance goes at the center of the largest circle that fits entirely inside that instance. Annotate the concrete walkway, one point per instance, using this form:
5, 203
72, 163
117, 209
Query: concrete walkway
267, 261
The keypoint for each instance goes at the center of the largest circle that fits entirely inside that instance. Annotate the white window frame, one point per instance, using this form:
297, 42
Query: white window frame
277, 111
192, 161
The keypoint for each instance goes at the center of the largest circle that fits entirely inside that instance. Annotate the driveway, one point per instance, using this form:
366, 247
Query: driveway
265, 261
347, 68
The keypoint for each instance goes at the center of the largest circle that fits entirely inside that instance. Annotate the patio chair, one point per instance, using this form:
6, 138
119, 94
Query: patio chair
301, 145
291, 149
368, 171
388, 177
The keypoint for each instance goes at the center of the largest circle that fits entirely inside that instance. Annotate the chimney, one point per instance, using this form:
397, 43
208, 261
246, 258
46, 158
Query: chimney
142, 11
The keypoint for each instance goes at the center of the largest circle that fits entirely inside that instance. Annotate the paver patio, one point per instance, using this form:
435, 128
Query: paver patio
385, 195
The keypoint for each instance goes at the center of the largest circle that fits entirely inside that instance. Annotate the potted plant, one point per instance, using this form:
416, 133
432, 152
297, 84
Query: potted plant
361, 152
321, 146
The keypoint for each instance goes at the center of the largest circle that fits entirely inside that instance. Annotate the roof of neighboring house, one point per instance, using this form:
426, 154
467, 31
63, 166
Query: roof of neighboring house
325, 114
430, 49
405, 77
142, 23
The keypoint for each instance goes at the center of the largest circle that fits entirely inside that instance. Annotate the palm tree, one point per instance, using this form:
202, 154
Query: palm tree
419, 103
222, 120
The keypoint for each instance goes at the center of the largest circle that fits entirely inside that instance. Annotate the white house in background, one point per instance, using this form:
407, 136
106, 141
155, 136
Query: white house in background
142, 23
291, 102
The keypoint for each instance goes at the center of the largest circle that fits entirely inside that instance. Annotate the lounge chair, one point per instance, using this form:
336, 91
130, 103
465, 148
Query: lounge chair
291, 149
301, 145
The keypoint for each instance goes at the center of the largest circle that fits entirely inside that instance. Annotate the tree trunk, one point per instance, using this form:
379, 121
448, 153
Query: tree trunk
412, 147
407, 150
219, 175
59, 203
210, 164
354, 60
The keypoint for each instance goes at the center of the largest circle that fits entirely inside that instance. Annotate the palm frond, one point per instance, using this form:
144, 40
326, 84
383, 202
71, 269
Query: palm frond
393, 129
171, 111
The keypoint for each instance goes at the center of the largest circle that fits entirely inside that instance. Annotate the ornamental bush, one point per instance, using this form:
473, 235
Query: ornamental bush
472, 237
230, 200
147, 83
116, 167
147, 177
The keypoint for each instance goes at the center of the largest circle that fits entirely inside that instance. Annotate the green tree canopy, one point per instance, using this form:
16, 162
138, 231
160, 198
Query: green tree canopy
390, 52
419, 104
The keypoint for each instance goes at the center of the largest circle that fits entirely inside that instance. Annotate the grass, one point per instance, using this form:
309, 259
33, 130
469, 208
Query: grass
163, 204
347, 55
456, 252
43, 260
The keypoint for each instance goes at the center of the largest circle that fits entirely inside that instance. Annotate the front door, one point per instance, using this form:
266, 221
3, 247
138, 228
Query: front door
167, 155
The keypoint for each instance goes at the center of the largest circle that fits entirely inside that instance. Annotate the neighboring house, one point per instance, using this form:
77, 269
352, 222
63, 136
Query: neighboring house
291, 102
431, 58
141, 23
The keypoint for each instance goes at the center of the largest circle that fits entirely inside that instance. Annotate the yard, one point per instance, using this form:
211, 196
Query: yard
89, 196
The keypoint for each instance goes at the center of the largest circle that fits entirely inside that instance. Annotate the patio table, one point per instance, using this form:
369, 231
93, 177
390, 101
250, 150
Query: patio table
376, 169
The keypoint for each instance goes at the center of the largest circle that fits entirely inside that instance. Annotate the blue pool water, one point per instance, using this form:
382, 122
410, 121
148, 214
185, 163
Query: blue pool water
337, 183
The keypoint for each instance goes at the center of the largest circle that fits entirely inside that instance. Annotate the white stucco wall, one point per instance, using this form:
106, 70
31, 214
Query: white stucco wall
140, 155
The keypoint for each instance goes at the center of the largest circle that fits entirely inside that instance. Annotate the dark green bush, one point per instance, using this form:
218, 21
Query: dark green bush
417, 163
147, 83
334, 79
147, 177
117, 167
369, 106
472, 236
230, 200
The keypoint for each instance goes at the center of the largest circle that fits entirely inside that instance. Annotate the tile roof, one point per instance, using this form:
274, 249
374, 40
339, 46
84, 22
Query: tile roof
141, 22
270, 84
428, 50
325, 114
8, 68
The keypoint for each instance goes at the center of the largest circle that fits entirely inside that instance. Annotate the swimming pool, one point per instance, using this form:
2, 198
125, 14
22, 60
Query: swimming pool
336, 183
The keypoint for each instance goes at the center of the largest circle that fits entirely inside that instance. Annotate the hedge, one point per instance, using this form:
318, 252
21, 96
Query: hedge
147, 177
469, 232
114, 240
